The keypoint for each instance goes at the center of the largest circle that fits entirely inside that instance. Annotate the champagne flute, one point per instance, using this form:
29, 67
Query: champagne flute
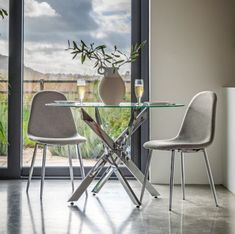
139, 89
81, 89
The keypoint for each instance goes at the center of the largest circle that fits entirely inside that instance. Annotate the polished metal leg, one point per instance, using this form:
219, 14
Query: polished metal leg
172, 178
43, 169
88, 179
103, 180
127, 187
146, 176
81, 162
182, 175
210, 177
71, 168
31, 167
112, 147
135, 171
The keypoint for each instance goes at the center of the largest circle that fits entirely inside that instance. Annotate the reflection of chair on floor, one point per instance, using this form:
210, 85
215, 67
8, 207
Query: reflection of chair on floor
196, 133
52, 126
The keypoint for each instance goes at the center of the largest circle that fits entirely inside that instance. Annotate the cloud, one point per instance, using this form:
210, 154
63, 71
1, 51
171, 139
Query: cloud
114, 20
75, 22
38, 9
100, 21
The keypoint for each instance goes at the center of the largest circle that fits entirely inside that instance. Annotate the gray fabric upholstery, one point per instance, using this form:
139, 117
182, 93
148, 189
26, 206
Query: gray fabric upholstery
52, 125
198, 126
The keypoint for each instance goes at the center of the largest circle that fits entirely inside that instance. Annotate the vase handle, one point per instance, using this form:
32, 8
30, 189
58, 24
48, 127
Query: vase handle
101, 70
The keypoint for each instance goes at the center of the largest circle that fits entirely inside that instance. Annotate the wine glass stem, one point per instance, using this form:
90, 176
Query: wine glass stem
139, 100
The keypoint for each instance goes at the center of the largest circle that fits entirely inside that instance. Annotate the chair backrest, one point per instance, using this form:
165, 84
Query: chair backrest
48, 121
198, 125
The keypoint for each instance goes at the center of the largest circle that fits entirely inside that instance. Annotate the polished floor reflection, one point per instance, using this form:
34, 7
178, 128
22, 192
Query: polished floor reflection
111, 211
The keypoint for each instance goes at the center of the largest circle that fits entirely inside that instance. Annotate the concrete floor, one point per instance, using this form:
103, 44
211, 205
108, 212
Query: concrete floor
111, 211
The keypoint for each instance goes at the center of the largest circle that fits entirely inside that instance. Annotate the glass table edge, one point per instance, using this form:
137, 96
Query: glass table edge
122, 105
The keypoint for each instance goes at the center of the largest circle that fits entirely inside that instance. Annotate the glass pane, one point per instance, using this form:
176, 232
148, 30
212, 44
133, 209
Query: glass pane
4, 22
49, 24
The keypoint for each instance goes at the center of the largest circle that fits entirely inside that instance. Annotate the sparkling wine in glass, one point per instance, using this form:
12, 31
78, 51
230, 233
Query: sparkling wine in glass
81, 89
139, 89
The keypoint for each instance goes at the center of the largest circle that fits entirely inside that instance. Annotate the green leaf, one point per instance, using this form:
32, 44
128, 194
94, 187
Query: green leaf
117, 62
83, 43
75, 46
96, 64
83, 58
100, 47
5, 12
75, 55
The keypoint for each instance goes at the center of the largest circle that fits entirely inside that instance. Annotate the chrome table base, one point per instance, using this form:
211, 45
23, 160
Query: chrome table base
116, 153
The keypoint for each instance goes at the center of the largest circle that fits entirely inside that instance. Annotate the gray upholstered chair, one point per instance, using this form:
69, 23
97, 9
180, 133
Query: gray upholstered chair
196, 133
52, 126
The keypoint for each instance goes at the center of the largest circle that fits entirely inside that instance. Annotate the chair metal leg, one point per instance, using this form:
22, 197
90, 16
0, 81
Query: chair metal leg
71, 168
81, 162
182, 175
43, 169
210, 177
172, 178
31, 167
146, 176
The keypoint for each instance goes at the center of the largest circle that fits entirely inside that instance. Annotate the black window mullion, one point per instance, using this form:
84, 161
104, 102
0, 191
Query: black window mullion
15, 74
140, 70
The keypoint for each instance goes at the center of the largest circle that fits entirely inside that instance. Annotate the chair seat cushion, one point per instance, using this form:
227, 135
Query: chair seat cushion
173, 144
73, 140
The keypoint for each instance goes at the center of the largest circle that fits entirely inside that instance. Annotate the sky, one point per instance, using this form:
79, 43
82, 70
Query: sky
49, 24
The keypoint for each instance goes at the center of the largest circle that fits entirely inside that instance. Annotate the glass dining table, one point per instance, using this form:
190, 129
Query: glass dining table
116, 151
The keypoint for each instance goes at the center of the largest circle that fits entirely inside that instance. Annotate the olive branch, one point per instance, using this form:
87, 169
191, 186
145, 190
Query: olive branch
115, 58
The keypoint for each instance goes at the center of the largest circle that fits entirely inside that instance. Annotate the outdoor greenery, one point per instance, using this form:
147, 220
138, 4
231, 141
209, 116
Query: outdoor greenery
114, 123
101, 57
3, 125
3, 109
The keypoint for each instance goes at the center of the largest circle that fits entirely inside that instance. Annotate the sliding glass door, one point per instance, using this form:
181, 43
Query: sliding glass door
38, 60
48, 25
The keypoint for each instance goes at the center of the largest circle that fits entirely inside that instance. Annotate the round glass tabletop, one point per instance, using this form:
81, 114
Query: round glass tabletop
121, 105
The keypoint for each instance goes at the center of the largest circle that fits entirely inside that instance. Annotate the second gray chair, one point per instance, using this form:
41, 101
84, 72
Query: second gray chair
196, 133
52, 126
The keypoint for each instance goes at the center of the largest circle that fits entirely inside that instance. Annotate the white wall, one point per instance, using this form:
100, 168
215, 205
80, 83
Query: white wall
192, 49
229, 140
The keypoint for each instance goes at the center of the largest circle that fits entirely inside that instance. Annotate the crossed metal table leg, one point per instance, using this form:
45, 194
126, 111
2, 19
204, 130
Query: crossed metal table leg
116, 154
